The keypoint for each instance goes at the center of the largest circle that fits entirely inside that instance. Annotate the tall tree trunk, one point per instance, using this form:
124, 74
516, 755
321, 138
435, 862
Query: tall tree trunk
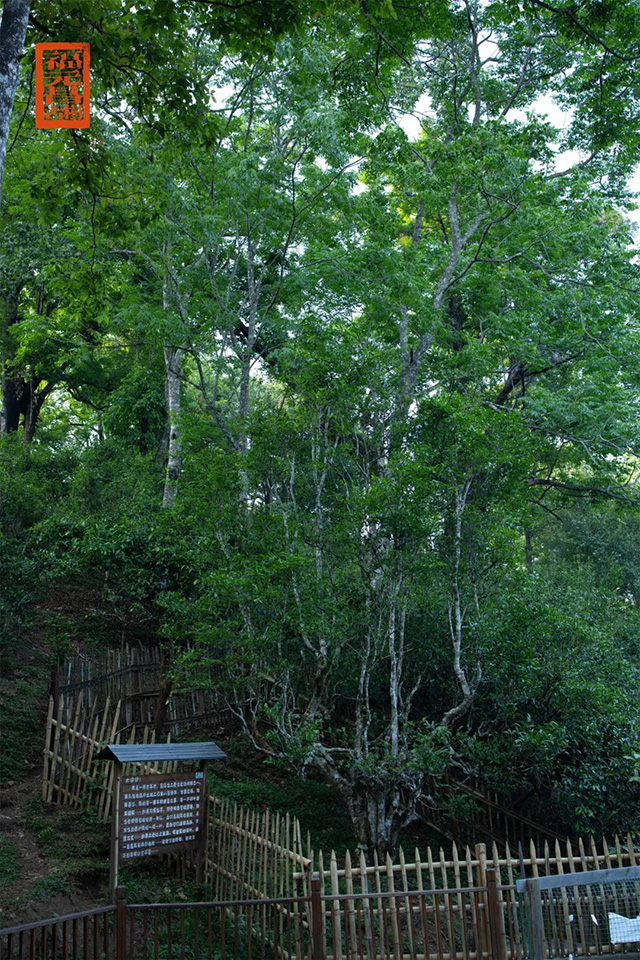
12, 384
164, 693
254, 284
13, 29
12, 401
173, 370
528, 549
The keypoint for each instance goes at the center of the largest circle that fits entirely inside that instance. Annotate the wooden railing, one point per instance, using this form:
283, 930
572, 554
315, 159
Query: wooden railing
83, 936
490, 820
460, 924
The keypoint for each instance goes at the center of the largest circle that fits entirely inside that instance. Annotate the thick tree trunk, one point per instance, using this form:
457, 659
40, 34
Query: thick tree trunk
173, 370
379, 805
13, 29
379, 810
21, 398
13, 402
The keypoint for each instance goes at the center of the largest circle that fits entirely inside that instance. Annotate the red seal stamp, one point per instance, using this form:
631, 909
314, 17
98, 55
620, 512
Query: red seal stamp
62, 85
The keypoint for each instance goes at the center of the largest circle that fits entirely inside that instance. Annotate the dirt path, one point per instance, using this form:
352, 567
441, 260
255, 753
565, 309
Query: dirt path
32, 863
44, 885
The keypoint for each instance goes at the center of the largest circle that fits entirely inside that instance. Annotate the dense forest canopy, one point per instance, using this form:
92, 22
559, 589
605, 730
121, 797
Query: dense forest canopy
354, 412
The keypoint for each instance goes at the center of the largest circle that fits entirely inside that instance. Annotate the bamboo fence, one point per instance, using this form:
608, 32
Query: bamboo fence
249, 853
133, 676
260, 854
253, 853
71, 776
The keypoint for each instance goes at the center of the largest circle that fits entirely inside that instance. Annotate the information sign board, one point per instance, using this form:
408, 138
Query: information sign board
160, 813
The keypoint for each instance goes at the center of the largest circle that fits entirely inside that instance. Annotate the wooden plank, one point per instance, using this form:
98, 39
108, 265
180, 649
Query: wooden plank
595, 928
368, 923
475, 918
502, 906
424, 924
114, 737
396, 941
323, 890
47, 763
336, 927
216, 840
460, 900
484, 943
570, 945
513, 913
85, 759
264, 873
285, 862
554, 931
64, 756
514, 917
407, 905
277, 875
349, 913
450, 925
242, 887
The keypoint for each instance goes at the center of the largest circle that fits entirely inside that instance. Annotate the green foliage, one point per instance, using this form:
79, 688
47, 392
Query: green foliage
53, 885
405, 531
22, 690
65, 834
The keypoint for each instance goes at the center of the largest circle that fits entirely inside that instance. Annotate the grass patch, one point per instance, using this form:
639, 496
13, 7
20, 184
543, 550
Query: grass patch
10, 867
54, 885
67, 835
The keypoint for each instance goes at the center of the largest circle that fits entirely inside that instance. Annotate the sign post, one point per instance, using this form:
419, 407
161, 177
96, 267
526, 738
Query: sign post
115, 826
201, 862
159, 812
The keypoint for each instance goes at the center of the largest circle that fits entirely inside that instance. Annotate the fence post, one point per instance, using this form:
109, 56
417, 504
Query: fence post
533, 899
496, 919
484, 941
121, 923
317, 920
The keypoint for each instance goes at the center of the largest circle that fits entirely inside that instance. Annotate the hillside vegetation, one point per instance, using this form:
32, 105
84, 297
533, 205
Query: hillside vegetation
321, 367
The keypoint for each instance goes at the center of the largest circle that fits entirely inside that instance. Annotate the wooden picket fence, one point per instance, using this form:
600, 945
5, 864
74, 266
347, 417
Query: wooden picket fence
461, 871
132, 676
254, 853
260, 854
277, 929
